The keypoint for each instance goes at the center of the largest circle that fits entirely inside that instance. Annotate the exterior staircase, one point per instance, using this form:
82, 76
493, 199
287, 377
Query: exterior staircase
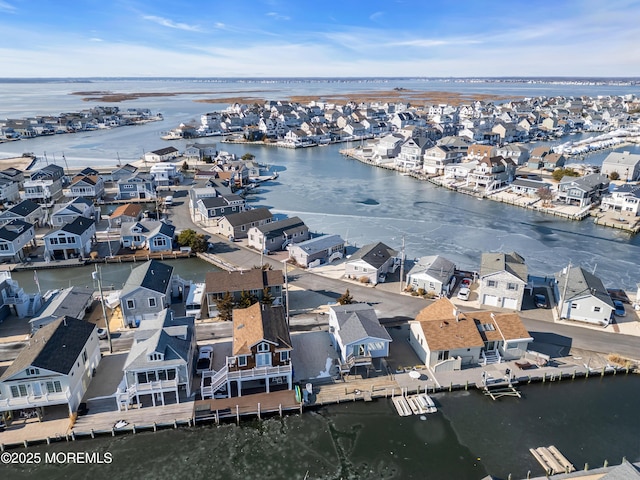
490, 358
218, 380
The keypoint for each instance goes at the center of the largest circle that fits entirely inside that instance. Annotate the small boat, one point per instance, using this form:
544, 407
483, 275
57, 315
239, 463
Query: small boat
120, 424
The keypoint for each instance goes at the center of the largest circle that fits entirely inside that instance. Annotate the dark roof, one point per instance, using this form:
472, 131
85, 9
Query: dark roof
275, 229
242, 218
213, 202
14, 229
375, 254
254, 279
579, 283
78, 226
88, 171
153, 275
357, 322
165, 151
24, 208
54, 347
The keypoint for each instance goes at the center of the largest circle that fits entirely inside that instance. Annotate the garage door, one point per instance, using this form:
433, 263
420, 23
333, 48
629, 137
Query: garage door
511, 303
490, 300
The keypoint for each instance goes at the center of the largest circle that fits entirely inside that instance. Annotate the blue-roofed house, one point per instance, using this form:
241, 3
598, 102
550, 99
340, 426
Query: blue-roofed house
159, 366
146, 293
317, 251
156, 236
14, 237
27, 211
357, 335
68, 212
71, 240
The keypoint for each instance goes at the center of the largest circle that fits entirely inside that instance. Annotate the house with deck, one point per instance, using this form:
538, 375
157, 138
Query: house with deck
86, 186
372, 263
72, 302
140, 186
68, 212
16, 238
276, 236
582, 297
55, 368
73, 240
146, 293
446, 339
156, 236
434, 274
623, 198
583, 191
491, 174
160, 365
625, 164
129, 212
357, 335
318, 250
27, 211
9, 191
237, 225
261, 354
503, 278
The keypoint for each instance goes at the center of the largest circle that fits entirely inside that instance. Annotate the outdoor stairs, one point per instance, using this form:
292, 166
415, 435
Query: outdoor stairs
491, 358
218, 380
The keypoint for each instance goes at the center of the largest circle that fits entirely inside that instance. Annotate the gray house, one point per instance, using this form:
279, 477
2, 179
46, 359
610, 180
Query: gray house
71, 240
625, 164
160, 363
582, 296
276, 236
140, 186
372, 262
14, 237
151, 234
432, 274
27, 211
73, 301
68, 212
146, 293
318, 250
237, 225
503, 278
583, 191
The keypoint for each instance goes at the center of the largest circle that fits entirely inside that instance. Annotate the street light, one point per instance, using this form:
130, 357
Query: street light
286, 289
97, 275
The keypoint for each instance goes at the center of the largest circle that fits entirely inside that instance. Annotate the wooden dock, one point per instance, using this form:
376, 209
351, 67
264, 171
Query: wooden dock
257, 404
552, 460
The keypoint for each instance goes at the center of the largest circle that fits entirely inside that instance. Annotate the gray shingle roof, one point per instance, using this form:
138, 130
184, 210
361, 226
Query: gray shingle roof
579, 283
504, 262
24, 208
243, 218
318, 244
70, 302
375, 254
358, 321
153, 275
275, 229
54, 347
435, 266
78, 226
14, 229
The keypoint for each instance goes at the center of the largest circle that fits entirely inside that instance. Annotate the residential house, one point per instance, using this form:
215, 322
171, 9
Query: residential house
276, 236
237, 225
166, 174
146, 293
201, 151
446, 339
160, 365
14, 175
480, 152
129, 212
71, 240
536, 158
317, 251
156, 236
68, 212
412, 152
27, 211
372, 263
582, 297
254, 282
50, 171
16, 237
45, 191
625, 164
55, 368
87, 186
140, 186
583, 191
503, 278
491, 174
73, 302
9, 191
433, 274
528, 186
357, 335
13, 299
162, 155
215, 207
552, 161
623, 198
516, 152
121, 172
438, 157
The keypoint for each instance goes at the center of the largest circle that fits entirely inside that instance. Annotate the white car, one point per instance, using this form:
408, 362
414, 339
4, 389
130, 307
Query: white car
463, 293
205, 359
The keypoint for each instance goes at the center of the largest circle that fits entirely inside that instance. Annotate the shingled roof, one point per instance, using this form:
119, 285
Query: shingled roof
358, 321
375, 254
153, 275
503, 262
257, 323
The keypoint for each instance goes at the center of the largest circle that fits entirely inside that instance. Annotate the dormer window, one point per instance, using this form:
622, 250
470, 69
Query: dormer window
33, 371
263, 347
155, 357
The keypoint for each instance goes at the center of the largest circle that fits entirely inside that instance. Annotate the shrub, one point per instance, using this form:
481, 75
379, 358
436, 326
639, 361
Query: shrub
614, 176
363, 279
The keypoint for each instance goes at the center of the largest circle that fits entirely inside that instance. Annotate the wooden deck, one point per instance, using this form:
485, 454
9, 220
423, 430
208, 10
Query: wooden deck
552, 460
236, 407
361, 389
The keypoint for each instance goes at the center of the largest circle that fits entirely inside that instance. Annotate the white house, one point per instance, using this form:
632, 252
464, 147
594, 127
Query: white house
503, 278
433, 274
372, 262
582, 296
73, 239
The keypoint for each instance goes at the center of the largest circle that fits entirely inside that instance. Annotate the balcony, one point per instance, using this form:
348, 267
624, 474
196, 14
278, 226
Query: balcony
31, 401
259, 372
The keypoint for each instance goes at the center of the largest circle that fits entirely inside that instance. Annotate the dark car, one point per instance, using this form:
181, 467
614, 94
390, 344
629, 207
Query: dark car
619, 308
540, 300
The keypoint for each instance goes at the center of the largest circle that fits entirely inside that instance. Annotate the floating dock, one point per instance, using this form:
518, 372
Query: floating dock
552, 460
414, 404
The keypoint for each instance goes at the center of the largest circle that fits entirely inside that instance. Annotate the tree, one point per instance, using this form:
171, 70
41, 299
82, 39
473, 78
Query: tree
345, 298
225, 307
190, 238
564, 172
267, 298
545, 194
185, 166
248, 156
246, 299
614, 176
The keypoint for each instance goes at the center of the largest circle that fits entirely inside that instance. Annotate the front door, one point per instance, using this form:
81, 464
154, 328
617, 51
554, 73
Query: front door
489, 346
37, 389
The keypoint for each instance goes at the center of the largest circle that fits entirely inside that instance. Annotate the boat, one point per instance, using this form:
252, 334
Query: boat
120, 424
427, 403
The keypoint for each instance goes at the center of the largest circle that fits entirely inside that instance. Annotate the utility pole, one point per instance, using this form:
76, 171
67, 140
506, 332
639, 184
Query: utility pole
97, 275
402, 265
286, 289
564, 292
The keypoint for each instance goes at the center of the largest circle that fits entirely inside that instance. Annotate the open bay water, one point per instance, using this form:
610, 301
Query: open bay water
588, 420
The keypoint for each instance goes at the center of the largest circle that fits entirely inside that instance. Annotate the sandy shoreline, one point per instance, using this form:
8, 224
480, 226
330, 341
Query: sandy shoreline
21, 163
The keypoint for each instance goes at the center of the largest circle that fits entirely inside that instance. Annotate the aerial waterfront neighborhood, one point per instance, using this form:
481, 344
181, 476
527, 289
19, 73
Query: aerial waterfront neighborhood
246, 339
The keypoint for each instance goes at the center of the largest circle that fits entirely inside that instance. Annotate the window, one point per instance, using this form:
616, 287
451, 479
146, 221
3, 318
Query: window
54, 387
574, 306
242, 361
84, 356
152, 302
171, 374
596, 309
512, 286
443, 355
263, 360
53, 241
284, 356
33, 371
4, 247
131, 304
154, 357
162, 374
18, 391
63, 240
492, 283
263, 347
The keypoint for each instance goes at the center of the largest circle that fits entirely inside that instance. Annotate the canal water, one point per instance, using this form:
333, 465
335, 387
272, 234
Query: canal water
588, 420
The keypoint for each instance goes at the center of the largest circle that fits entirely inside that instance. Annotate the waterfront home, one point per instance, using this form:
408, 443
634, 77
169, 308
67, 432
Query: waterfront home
552, 161
129, 212
582, 191
480, 152
27, 211
503, 278
156, 236
437, 158
625, 164
261, 353
412, 152
13, 299
16, 237
9, 191
50, 171
459, 171
166, 174
254, 282
357, 335
44, 191
146, 293
237, 225
211, 208
14, 175
433, 274
536, 158
387, 146
141, 186
516, 152
201, 151
121, 172
162, 155
73, 302
371, 263
582, 297
55, 368
68, 212
446, 339
317, 251
87, 186
71, 240
623, 198
528, 186
160, 364
491, 174
276, 236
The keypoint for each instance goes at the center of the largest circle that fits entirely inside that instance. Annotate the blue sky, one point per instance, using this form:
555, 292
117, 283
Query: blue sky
430, 38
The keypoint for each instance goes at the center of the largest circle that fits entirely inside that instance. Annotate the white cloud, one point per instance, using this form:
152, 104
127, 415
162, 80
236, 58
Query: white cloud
95, 39
375, 16
278, 16
165, 22
7, 7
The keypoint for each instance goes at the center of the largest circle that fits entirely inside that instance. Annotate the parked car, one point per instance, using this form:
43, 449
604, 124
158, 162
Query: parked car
463, 293
205, 359
466, 282
619, 308
540, 300
102, 333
